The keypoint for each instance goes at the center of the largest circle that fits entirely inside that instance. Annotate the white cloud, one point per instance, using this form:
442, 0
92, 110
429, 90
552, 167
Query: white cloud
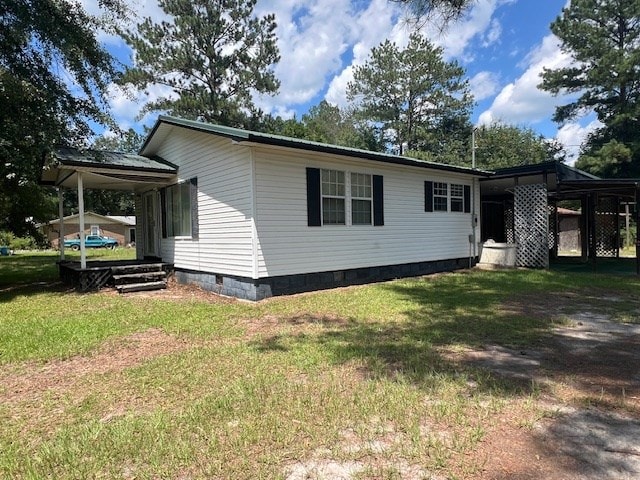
483, 85
458, 36
521, 101
573, 135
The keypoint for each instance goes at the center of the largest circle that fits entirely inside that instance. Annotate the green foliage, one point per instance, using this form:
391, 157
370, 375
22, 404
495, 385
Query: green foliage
612, 160
500, 146
214, 56
53, 77
603, 39
9, 239
413, 96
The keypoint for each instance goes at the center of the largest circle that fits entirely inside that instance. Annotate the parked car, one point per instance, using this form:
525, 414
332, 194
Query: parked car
91, 241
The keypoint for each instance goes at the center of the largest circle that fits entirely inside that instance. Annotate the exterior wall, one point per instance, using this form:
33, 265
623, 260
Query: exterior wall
287, 246
224, 244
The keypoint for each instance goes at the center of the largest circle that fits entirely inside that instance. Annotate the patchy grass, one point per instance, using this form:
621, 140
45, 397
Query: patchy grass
352, 380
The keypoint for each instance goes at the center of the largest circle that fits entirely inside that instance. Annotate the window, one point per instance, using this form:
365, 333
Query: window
457, 197
336, 197
333, 197
361, 199
440, 196
95, 229
177, 204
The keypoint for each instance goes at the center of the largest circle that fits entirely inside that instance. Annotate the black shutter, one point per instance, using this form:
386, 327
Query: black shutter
163, 211
467, 199
378, 201
313, 197
195, 228
428, 196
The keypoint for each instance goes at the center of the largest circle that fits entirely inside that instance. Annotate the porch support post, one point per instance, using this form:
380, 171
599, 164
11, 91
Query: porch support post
61, 229
637, 230
83, 251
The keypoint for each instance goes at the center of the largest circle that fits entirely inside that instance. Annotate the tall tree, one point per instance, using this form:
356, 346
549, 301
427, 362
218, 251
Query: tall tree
603, 39
214, 55
53, 78
500, 146
412, 93
327, 123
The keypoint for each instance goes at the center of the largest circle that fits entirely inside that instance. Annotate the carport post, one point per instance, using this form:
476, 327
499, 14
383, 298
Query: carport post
61, 228
83, 251
637, 229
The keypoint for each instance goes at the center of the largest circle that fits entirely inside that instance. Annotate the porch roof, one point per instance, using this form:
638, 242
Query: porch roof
106, 170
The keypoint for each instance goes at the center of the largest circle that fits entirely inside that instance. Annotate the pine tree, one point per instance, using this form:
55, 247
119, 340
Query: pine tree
603, 39
411, 93
214, 55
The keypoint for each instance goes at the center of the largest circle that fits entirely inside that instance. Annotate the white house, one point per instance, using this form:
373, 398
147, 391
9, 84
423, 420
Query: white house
253, 215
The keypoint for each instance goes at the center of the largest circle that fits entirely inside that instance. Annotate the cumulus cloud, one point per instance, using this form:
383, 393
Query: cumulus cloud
521, 101
483, 85
381, 20
573, 136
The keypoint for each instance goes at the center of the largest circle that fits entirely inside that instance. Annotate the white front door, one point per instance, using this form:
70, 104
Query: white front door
151, 225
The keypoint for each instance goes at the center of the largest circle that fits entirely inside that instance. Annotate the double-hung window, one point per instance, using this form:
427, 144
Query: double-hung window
457, 197
361, 199
333, 197
440, 196
178, 210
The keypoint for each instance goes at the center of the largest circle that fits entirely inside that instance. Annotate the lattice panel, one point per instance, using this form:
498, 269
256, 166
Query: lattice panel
607, 224
510, 234
552, 226
531, 220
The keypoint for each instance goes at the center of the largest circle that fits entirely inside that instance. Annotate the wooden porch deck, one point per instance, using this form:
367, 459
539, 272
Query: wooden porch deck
99, 274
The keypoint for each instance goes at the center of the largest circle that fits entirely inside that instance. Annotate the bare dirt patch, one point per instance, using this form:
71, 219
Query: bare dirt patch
29, 381
588, 373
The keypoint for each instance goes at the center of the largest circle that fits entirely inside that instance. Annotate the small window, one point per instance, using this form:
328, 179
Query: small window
457, 197
440, 196
178, 210
361, 202
333, 197
95, 229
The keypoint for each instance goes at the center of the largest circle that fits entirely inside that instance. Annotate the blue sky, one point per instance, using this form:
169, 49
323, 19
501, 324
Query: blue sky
502, 44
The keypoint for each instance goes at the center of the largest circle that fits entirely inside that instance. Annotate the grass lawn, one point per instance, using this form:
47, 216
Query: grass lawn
356, 379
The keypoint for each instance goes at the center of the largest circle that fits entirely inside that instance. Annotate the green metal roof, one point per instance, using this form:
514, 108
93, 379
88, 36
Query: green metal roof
69, 156
279, 140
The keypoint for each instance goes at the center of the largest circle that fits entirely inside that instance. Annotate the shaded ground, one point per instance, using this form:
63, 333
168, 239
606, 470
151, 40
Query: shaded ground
583, 424
589, 372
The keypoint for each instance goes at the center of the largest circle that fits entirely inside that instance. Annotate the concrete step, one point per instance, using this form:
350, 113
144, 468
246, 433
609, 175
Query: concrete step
141, 287
139, 277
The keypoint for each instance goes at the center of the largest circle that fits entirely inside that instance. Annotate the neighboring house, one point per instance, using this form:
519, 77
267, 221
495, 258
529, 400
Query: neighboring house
569, 238
122, 228
254, 215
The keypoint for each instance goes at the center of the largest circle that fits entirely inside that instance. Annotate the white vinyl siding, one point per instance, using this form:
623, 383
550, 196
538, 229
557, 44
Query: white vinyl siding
287, 245
225, 203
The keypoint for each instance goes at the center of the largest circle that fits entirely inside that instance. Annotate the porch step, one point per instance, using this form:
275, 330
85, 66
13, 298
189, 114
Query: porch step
140, 287
136, 268
139, 277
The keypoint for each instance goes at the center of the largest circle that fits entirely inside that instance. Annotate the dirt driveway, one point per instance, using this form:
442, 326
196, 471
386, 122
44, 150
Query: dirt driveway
589, 376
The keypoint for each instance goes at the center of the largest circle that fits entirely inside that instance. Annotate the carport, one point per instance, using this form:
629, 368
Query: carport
520, 206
